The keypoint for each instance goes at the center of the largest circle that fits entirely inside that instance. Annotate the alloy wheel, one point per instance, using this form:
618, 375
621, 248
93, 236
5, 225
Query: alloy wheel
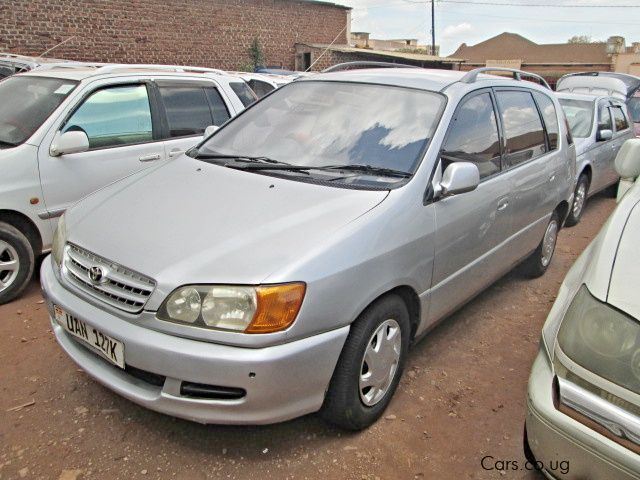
9, 265
578, 201
549, 242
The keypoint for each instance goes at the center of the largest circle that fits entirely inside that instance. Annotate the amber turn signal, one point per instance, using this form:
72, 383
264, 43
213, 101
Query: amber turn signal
278, 307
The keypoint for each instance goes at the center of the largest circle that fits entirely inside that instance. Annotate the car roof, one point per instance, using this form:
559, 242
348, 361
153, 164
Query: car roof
82, 71
420, 78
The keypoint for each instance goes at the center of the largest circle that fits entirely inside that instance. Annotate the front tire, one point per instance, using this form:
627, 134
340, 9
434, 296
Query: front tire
579, 201
17, 262
370, 365
540, 259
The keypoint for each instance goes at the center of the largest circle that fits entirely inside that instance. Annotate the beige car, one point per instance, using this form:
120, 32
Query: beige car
583, 419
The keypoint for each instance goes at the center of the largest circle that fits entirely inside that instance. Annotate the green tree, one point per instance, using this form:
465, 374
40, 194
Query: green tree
256, 56
580, 39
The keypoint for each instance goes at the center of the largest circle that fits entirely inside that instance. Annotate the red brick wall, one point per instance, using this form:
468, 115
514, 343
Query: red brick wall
212, 33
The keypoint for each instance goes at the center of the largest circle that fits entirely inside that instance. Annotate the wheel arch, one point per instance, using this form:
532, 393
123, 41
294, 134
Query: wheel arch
410, 298
25, 225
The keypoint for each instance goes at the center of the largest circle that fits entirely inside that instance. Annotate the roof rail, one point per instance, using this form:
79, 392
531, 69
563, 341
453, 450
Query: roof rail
52, 65
114, 67
364, 64
472, 76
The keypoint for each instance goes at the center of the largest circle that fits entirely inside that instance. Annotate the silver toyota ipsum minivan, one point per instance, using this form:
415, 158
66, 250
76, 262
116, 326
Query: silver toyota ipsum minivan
286, 264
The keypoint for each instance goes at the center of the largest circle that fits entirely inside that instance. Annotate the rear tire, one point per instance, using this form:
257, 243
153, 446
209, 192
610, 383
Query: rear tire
370, 365
579, 201
17, 262
540, 259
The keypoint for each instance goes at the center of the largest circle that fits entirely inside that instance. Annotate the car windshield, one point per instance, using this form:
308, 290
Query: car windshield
27, 102
318, 124
580, 116
634, 108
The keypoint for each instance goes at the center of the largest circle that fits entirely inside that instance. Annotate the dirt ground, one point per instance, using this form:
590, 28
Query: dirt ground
462, 398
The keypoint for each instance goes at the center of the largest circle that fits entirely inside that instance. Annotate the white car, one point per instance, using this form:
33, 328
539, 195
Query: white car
584, 389
67, 130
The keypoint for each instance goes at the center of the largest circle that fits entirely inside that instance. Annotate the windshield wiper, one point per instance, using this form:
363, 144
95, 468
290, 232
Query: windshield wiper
238, 158
389, 172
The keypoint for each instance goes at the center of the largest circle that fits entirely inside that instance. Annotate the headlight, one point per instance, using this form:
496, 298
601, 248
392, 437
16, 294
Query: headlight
59, 239
262, 309
602, 339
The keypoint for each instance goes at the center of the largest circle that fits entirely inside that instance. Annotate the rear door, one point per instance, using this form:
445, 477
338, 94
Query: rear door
121, 123
604, 151
188, 108
532, 165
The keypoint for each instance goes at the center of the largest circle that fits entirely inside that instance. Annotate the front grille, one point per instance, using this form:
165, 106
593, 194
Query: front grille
118, 286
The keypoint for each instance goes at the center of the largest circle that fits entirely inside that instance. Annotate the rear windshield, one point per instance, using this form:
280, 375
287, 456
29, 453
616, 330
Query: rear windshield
244, 93
26, 103
579, 115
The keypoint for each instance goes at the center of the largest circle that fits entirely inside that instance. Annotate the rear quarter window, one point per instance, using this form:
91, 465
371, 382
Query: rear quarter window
243, 92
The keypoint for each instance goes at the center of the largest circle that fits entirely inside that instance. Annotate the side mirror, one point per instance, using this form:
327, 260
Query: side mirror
210, 130
69, 142
459, 177
604, 135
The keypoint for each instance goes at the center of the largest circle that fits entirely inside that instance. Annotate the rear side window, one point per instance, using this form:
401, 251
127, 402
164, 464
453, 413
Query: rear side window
190, 110
187, 110
550, 117
474, 136
619, 118
114, 116
260, 88
244, 93
522, 125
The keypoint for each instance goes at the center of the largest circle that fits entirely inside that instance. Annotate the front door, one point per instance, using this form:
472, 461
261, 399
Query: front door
119, 124
471, 227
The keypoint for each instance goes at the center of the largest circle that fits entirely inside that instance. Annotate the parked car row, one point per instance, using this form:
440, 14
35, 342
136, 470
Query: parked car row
285, 263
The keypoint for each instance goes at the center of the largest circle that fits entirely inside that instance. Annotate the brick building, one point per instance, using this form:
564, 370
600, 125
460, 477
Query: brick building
211, 33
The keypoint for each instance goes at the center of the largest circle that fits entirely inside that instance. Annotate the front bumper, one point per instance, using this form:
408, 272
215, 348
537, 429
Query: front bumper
281, 382
555, 437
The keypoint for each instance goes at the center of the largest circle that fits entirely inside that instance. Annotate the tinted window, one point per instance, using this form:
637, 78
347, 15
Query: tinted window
187, 110
604, 117
550, 117
522, 127
619, 118
474, 136
244, 93
26, 102
218, 107
579, 115
260, 88
634, 108
114, 116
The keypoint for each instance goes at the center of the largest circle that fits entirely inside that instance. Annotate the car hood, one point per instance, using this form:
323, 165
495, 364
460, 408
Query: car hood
623, 287
188, 221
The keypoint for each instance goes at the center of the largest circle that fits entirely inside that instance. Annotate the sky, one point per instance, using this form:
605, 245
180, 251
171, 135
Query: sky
472, 21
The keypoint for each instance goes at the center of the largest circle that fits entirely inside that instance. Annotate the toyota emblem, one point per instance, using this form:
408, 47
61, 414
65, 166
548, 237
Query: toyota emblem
96, 274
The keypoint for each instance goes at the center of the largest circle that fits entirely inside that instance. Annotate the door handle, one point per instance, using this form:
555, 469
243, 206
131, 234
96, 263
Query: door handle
175, 152
503, 205
150, 158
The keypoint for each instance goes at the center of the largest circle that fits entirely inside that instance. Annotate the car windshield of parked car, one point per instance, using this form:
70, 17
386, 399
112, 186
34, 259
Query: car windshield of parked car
26, 103
579, 115
320, 124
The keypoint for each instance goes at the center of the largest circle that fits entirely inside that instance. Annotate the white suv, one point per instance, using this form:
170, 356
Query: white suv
67, 130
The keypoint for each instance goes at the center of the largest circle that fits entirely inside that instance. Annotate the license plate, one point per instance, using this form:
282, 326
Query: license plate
109, 348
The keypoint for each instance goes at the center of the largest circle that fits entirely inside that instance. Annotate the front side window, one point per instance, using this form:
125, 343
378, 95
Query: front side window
579, 114
619, 118
522, 125
550, 117
474, 136
27, 101
114, 116
604, 116
314, 125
